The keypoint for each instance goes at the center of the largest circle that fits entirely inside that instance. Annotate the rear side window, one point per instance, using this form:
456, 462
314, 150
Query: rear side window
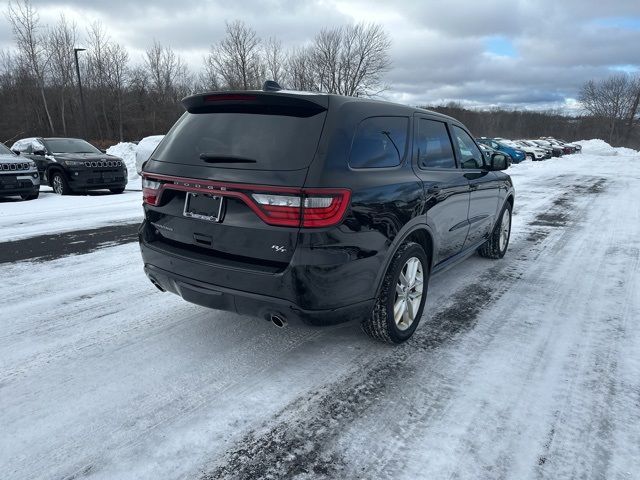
248, 141
379, 142
434, 145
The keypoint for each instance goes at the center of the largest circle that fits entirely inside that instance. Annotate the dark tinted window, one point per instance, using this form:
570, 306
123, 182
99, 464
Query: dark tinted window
434, 145
471, 156
247, 140
379, 142
69, 145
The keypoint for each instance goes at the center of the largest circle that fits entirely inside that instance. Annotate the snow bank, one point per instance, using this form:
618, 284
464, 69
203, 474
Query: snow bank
134, 155
145, 148
602, 148
127, 152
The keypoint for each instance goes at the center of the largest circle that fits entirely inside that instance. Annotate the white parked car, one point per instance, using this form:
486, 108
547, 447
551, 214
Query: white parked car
532, 152
145, 148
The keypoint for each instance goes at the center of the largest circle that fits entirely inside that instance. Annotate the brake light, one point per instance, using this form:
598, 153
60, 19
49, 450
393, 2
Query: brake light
280, 206
312, 208
150, 191
230, 97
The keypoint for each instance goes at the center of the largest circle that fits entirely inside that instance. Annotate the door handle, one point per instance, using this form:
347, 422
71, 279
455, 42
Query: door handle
473, 187
434, 189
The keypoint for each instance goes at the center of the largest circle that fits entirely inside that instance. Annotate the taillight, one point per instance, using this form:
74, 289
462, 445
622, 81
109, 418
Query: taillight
312, 208
281, 206
150, 191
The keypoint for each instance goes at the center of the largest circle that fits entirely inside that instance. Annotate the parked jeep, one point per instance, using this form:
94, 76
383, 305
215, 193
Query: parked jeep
71, 165
316, 207
18, 176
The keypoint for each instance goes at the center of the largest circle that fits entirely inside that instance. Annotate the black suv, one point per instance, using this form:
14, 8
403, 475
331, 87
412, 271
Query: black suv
71, 165
317, 207
18, 176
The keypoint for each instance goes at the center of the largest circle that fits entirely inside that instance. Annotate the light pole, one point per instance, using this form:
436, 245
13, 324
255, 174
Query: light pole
84, 112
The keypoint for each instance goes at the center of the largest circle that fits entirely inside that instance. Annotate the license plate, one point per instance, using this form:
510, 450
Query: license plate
203, 206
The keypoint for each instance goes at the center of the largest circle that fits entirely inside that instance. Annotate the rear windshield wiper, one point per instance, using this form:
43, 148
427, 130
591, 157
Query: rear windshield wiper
217, 158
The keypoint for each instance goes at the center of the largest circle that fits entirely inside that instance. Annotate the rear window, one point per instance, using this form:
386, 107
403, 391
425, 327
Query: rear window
242, 140
379, 142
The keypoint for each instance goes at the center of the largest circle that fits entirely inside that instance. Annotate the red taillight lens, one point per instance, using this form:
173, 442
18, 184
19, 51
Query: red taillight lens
312, 208
281, 206
322, 208
150, 191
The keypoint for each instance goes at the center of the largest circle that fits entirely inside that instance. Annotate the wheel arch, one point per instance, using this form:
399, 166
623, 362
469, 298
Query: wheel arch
51, 169
420, 234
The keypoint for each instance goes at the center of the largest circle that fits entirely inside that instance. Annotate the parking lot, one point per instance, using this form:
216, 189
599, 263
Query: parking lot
522, 368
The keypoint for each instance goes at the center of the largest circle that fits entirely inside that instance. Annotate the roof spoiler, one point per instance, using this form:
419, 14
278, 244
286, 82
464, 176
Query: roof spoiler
260, 102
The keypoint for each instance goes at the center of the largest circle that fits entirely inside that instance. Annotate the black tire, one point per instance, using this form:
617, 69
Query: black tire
381, 324
117, 190
59, 184
492, 247
30, 196
531, 157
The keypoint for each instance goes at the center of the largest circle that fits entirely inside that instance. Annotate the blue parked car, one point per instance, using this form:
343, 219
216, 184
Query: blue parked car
516, 155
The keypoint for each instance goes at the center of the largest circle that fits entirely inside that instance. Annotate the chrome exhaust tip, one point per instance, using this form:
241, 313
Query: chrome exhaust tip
278, 320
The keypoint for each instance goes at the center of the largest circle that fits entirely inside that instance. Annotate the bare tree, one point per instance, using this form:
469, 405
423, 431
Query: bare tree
611, 99
236, 59
61, 42
300, 71
118, 59
351, 60
25, 24
169, 79
274, 59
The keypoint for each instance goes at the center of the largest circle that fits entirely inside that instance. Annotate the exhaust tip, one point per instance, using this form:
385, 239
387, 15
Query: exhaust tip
157, 285
278, 320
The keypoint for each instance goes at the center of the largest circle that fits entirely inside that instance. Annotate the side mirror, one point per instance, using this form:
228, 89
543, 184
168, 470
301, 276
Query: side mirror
39, 152
499, 162
17, 152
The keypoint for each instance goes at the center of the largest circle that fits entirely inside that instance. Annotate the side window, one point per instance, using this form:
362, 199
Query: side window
433, 145
379, 142
471, 156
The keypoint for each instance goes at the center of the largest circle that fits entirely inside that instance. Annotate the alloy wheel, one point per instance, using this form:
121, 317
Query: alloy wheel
408, 294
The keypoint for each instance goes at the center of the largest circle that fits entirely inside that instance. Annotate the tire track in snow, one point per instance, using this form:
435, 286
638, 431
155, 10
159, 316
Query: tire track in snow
298, 441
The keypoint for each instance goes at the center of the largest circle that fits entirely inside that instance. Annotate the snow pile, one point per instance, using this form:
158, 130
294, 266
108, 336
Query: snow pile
127, 152
134, 155
602, 148
145, 148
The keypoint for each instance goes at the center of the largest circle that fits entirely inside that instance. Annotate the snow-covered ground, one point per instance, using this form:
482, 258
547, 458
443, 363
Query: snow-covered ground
523, 368
52, 213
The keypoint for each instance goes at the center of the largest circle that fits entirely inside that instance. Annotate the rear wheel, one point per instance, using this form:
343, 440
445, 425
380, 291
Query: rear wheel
498, 242
59, 184
117, 190
401, 300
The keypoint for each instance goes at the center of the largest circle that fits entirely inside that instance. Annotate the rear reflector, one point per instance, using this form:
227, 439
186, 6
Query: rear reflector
280, 206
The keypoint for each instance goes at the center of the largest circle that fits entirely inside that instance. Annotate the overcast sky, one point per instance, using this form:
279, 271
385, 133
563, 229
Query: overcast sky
526, 54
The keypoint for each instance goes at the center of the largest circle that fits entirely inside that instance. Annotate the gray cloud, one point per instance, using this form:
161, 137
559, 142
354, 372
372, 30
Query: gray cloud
439, 48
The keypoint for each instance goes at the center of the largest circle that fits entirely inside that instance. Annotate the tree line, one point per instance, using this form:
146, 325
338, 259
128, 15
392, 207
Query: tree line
127, 100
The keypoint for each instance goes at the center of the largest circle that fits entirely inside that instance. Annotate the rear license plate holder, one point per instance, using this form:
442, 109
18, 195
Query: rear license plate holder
203, 206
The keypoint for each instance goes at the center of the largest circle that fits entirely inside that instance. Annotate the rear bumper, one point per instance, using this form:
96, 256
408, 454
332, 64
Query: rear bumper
252, 304
317, 287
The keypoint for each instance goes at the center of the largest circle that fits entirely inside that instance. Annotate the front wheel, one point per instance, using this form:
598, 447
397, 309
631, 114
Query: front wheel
60, 184
498, 242
401, 300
